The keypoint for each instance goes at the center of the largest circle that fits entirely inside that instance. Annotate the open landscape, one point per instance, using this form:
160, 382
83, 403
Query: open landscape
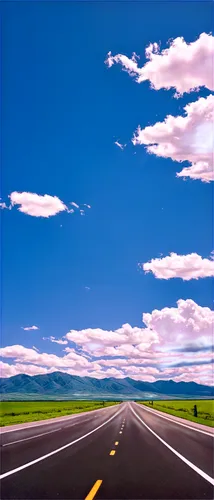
184, 409
106, 211
18, 412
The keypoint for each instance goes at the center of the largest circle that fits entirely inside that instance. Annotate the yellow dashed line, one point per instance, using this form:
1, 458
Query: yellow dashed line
116, 443
94, 490
112, 452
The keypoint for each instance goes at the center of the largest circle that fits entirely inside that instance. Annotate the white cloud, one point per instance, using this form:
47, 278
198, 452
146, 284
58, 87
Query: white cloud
187, 267
40, 205
184, 138
176, 343
7, 370
3, 206
201, 374
183, 66
24, 355
56, 341
37, 205
74, 204
188, 325
154, 365
101, 341
121, 146
30, 327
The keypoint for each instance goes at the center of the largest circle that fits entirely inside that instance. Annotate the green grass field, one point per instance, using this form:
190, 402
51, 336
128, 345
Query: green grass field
184, 409
18, 412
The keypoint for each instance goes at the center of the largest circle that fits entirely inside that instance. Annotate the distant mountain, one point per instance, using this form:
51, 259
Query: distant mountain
59, 385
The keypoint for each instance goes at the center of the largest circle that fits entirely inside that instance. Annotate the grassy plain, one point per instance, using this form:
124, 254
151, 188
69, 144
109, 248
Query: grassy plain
184, 409
18, 412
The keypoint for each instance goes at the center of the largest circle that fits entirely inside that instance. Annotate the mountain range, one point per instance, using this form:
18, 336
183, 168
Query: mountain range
59, 385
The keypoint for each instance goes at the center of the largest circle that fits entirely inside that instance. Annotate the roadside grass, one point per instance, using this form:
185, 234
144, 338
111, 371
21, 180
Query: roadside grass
18, 412
184, 409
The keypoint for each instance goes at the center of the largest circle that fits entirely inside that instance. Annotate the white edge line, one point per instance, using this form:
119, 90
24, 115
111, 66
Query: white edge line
32, 437
175, 421
21, 467
190, 464
49, 432
53, 420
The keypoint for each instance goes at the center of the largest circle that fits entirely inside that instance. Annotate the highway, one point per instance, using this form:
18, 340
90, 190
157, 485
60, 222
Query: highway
121, 452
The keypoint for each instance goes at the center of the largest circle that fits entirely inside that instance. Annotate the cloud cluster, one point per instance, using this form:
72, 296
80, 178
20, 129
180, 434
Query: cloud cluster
150, 353
105, 342
183, 66
184, 138
22, 354
40, 205
137, 368
188, 325
186, 67
186, 267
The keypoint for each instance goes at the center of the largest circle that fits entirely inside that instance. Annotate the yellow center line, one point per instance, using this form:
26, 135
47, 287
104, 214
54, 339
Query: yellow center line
116, 443
94, 490
112, 452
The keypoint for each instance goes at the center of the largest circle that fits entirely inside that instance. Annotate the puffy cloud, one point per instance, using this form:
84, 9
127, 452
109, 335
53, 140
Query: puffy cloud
150, 353
119, 145
37, 205
56, 341
138, 369
30, 327
102, 342
40, 205
187, 267
7, 370
188, 324
25, 355
183, 66
184, 138
200, 374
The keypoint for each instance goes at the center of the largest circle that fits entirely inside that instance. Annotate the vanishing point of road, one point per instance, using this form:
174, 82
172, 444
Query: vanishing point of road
125, 451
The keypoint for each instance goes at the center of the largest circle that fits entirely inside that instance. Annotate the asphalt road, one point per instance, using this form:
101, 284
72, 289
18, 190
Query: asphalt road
121, 452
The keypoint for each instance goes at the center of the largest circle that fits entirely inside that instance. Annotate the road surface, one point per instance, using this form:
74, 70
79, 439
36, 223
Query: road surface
116, 453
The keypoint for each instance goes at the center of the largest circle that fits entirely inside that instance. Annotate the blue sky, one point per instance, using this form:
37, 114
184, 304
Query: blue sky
63, 110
